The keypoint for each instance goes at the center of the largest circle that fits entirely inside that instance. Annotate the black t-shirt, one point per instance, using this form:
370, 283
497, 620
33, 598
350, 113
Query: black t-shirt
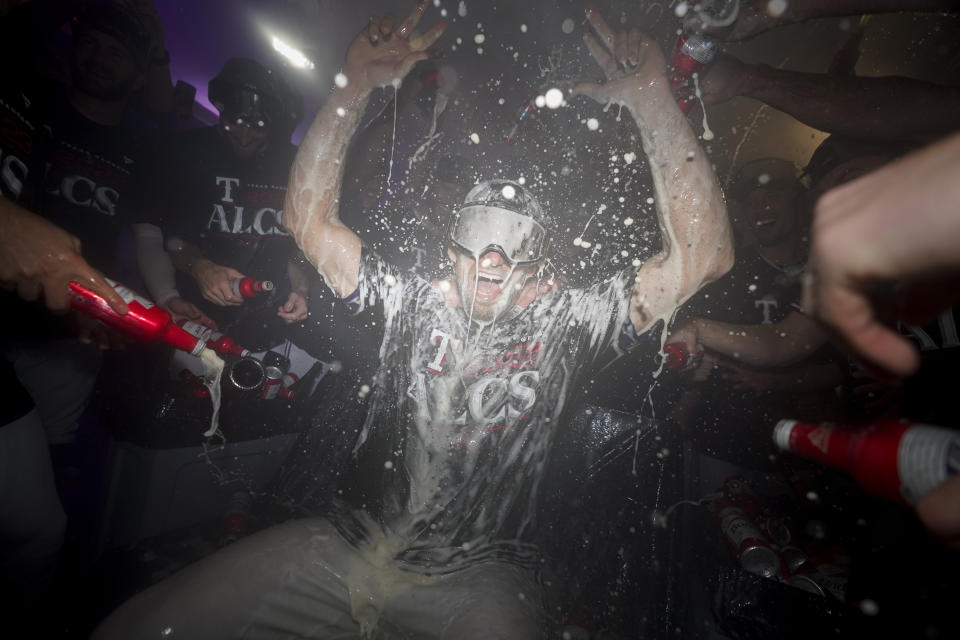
735, 424
463, 418
194, 187
87, 171
754, 291
928, 394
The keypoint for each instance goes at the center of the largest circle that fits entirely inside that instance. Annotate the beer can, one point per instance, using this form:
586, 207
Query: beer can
793, 558
747, 542
805, 583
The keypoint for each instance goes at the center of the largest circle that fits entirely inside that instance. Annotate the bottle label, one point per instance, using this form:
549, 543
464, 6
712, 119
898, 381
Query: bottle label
127, 295
927, 456
199, 330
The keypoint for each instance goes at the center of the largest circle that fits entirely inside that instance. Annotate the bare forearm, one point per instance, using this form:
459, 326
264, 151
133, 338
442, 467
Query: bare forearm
760, 345
805, 377
185, 256
894, 108
799, 10
312, 209
697, 242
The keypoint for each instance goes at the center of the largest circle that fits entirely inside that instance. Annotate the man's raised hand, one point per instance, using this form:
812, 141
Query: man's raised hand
383, 52
630, 60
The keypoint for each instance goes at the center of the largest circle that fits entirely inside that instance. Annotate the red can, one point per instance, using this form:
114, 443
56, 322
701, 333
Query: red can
747, 542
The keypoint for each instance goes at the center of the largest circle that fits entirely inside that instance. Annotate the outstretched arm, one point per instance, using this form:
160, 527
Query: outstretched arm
377, 57
756, 16
697, 242
760, 345
888, 239
892, 108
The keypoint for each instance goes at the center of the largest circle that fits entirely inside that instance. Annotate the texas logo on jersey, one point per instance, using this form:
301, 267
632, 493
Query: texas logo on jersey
489, 392
247, 209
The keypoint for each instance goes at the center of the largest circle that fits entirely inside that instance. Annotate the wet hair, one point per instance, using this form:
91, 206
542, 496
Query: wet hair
120, 22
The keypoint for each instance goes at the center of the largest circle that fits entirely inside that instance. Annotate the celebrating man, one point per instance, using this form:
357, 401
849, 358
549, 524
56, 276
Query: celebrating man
472, 382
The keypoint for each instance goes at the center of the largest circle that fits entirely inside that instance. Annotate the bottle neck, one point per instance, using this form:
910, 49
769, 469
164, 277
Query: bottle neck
180, 339
825, 444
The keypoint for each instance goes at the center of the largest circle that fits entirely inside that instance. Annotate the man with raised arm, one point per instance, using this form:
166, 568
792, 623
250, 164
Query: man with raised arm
436, 541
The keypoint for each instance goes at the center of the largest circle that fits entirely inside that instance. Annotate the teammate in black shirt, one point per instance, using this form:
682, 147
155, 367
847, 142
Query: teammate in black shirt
218, 193
472, 381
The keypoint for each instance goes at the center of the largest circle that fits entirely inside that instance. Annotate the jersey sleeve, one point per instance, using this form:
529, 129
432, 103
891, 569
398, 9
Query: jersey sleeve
381, 283
602, 311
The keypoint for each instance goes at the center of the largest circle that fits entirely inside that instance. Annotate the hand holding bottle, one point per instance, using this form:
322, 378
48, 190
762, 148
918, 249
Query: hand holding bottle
38, 258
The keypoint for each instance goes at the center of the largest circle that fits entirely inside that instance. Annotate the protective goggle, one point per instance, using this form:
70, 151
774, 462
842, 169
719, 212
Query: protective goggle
248, 106
477, 229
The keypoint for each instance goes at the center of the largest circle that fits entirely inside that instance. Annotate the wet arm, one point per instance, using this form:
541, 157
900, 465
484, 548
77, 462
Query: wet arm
894, 108
754, 17
378, 56
697, 241
762, 345
312, 208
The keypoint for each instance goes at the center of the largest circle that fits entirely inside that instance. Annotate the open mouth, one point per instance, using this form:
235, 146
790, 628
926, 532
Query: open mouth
488, 286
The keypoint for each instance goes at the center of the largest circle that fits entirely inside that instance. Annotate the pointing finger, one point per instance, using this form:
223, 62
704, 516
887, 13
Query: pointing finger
412, 20
600, 26
425, 41
601, 55
386, 25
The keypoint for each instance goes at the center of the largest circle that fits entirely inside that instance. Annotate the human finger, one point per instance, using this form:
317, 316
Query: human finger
57, 296
620, 42
635, 46
226, 293
411, 21
205, 320
426, 40
851, 315
212, 295
28, 289
386, 25
372, 31
600, 54
99, 285
601, 28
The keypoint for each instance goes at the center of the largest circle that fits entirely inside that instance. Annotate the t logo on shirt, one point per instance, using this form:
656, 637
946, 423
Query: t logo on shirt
436, 366
246, 218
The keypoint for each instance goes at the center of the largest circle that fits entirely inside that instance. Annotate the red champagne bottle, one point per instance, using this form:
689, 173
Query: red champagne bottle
195, 384
249, 287
676, 356
691, 54
224, 345
899, 461
144, 321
